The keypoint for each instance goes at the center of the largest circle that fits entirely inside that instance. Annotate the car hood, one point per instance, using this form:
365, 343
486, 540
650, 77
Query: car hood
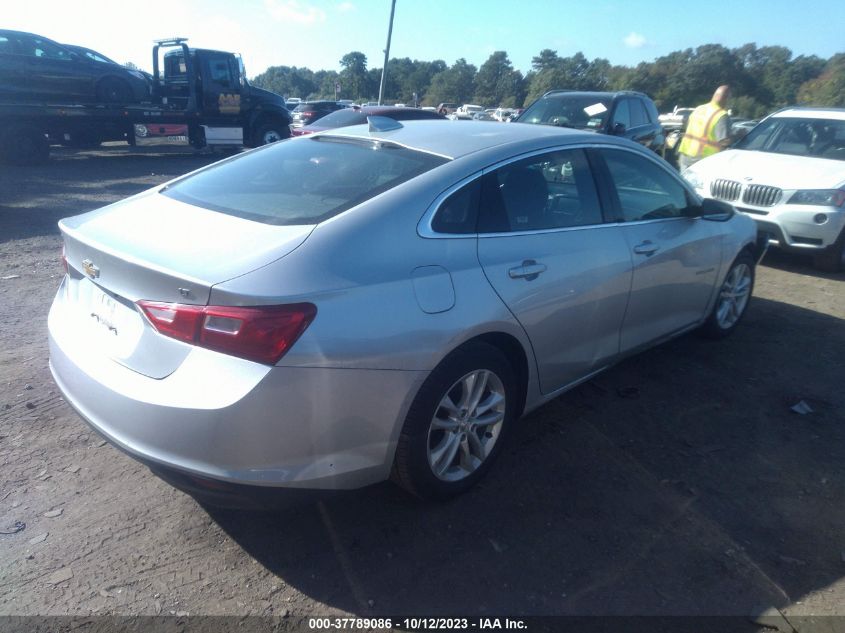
781, 170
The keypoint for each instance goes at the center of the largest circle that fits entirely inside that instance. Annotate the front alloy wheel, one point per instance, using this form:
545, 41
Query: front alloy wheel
733, 299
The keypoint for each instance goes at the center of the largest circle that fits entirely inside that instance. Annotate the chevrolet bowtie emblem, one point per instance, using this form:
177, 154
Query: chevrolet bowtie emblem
90, 269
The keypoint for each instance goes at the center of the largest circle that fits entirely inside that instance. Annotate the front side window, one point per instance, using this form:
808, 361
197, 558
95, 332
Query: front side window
219, 72
303, 181
551, 191
622, 115
645, 190
38, 47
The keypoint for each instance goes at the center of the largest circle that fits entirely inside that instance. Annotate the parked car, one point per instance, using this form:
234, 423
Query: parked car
447, 108
676, 119
357, 115
788, 173
309, 111
34, 68
631, 115
466, 111
346, 308
482, 116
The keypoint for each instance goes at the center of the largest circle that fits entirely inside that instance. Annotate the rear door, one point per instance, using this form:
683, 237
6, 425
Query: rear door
675, 257
52, 72
561, 271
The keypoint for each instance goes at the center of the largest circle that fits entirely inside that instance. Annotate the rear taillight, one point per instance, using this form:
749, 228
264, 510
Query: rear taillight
260, 333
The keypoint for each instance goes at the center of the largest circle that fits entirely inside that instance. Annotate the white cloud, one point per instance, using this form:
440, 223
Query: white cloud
294, 11
634, 40
345, 7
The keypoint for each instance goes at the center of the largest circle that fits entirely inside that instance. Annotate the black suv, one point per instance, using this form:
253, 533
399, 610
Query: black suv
631, 115
309, 111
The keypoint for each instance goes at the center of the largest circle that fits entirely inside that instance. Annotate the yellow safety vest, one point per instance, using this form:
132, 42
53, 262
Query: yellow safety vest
700, 138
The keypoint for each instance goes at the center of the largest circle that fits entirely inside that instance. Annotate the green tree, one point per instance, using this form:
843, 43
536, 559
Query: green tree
497, 83
828, 89
353, 77
455, 84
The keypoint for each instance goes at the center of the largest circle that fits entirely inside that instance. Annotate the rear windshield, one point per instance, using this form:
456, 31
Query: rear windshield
822, 138
582, 112
302, 181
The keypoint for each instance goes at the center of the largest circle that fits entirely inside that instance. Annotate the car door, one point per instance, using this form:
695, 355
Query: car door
53, 73
562, 271
221, 94
675, 257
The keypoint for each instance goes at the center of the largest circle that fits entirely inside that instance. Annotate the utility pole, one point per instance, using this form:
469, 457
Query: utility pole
386, 52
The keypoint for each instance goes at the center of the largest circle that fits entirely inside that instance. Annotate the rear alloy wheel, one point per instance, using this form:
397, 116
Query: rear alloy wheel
732, 301
457, 423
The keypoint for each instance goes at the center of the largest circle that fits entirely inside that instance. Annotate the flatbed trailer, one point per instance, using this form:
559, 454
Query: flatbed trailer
205, 90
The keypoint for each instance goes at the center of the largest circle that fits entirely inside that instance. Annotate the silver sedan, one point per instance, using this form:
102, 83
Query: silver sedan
386, 301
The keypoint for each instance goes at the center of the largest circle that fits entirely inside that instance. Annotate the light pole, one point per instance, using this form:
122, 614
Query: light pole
386, 52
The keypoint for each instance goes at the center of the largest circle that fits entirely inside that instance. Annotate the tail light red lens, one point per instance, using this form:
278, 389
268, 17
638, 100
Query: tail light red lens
260, 333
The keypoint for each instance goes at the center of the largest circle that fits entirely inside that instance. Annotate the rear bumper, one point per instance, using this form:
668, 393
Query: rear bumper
227, 420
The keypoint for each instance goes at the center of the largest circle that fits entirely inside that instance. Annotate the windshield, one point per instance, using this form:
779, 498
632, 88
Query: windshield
574, 110
821, 138
342, 118
302, 181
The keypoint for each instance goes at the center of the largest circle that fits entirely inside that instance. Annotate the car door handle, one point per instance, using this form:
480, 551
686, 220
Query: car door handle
529, 270
647, 248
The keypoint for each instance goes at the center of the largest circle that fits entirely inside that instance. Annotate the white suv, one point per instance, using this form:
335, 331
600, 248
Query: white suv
789, 175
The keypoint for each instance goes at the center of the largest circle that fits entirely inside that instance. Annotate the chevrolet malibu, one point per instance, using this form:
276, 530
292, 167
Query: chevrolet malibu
381, 301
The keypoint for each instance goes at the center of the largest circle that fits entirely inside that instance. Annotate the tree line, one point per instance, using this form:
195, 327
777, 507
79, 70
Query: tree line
763, 79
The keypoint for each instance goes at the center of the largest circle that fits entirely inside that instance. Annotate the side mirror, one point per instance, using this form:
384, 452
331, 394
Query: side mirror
716, 210
618, 129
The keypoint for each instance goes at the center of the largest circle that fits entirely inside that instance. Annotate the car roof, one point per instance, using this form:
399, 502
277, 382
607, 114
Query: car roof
812, 113
461, 138
594, 93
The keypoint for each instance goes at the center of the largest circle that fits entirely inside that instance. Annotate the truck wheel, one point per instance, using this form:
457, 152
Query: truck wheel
113, 90
24, 145
270, 133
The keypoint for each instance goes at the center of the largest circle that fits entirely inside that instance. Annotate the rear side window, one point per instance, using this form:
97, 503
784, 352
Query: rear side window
6, 46
303, 181
458, 214
550, 191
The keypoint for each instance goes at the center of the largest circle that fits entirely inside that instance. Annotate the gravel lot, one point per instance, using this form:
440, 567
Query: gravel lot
679, 482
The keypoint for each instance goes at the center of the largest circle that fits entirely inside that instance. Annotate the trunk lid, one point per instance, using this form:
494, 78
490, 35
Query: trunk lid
156, 248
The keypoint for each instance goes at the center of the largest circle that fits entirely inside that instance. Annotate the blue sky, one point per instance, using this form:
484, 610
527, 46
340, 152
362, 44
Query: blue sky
317, 33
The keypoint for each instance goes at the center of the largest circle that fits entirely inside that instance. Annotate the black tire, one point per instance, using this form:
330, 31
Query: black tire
411, 467
716, 327
832, 259
270, 132
24, 144
114, 90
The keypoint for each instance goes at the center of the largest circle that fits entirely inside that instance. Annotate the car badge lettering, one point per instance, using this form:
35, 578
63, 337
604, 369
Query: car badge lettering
90, 268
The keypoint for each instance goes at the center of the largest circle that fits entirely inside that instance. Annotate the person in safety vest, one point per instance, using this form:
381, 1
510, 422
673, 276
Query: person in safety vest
708, 130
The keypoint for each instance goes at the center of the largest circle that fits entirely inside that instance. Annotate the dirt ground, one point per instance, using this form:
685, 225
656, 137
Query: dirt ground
679, 482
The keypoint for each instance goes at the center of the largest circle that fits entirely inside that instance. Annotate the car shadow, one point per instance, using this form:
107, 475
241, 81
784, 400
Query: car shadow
797, 263
679, 482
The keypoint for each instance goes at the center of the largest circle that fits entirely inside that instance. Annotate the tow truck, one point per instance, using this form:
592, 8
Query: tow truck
205, 90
